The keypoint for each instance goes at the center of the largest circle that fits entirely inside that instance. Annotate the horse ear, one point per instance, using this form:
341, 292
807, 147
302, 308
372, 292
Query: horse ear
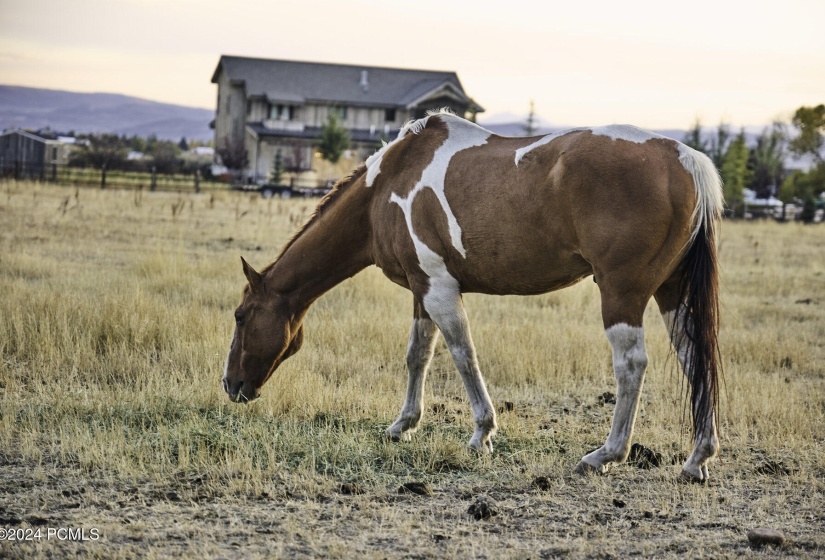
256, 281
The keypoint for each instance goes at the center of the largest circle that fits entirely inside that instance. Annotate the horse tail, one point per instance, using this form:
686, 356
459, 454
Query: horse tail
699, 290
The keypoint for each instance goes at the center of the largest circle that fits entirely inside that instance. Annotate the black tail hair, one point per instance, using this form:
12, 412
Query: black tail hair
700, 323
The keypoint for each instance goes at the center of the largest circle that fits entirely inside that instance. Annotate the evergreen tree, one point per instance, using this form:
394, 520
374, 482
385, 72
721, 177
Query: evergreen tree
183, 144
334, 140
767, 162
277, 168
693, 138
734, 173
718, 145
530, 124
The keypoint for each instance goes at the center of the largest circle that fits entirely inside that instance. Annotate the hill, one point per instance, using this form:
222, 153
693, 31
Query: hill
64, 111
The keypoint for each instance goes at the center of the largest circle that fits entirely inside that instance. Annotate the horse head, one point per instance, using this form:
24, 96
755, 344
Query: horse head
267, 332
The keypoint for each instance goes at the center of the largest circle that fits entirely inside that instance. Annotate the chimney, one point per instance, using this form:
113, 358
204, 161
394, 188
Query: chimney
365, 85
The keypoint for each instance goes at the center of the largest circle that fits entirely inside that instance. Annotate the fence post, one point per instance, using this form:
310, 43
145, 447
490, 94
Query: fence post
154, 183
103, 176
197, 180
54, 173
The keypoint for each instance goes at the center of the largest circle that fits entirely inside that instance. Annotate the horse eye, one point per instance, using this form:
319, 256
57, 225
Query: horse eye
239, 318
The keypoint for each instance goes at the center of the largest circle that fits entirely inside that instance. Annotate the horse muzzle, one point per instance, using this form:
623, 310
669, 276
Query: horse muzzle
240, 392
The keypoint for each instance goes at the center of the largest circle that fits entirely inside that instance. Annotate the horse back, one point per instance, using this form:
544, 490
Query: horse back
529, 215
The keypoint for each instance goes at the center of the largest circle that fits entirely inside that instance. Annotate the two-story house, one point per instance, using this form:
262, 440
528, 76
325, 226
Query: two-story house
276, 110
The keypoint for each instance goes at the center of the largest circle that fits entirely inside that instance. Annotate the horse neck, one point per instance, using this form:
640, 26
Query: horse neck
334, 246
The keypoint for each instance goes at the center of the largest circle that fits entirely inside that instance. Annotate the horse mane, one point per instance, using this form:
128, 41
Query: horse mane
324, 204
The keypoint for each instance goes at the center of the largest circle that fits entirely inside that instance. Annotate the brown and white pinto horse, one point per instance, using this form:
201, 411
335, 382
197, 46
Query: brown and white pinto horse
449, 207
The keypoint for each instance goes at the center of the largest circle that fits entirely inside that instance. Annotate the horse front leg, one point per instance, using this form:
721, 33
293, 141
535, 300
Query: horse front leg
419, 353
443, 303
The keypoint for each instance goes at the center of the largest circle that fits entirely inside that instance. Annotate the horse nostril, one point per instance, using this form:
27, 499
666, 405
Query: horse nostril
225, 385
240, 397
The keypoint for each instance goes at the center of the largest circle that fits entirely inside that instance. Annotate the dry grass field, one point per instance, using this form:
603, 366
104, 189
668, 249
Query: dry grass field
116, 316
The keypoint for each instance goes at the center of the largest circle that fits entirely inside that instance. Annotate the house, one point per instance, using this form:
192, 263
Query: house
276, 110
26, 155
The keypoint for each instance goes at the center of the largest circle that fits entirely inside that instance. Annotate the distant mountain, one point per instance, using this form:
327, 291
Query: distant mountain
508, 124
64, 111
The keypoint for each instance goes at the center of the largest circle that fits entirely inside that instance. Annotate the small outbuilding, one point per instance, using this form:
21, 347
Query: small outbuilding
26, 155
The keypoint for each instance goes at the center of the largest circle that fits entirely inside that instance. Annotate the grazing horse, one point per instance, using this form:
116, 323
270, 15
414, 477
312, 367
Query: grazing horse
448, 207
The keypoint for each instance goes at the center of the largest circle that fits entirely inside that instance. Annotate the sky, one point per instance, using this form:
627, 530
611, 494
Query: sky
655, 64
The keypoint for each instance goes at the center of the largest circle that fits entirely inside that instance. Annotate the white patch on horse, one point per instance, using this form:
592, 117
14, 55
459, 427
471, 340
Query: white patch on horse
461, 135
521, 152
629, 363
374, 161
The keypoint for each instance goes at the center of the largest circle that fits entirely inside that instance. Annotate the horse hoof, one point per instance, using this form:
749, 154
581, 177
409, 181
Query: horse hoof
396, 437
585, 469
485, 448
687, 477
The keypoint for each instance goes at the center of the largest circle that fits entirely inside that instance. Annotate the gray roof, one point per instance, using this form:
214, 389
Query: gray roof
298, 82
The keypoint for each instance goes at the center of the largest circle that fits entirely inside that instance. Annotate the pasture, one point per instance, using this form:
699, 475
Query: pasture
116, 316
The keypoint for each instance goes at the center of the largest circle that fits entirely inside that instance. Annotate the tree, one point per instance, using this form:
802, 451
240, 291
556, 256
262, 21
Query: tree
718, 145
803, 186
472, 110
102, 150
166, 157
183, 144
693, 138
277, 168
530, 123
810, 121
767, 161
233, 155
734, 171
334, 140
137, 144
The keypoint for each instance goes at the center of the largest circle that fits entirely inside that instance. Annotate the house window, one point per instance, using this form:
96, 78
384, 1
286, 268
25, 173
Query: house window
340, 112
282, 112
389, 115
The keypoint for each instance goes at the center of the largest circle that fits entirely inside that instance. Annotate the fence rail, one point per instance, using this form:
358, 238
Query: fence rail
103, 178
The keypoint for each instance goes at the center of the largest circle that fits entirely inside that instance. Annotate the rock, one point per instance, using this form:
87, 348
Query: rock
762, 536
482, 508
420, 488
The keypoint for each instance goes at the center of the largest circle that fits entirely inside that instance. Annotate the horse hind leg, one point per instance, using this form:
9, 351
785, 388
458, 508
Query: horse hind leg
629, 362
419, 353
706, 440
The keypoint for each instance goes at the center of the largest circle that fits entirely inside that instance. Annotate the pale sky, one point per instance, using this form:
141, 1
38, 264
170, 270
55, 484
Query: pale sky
653, 63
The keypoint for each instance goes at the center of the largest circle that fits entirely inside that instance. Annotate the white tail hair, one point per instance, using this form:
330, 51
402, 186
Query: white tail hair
708, 184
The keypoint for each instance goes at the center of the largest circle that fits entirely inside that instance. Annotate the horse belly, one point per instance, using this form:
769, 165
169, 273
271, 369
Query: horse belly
518, 267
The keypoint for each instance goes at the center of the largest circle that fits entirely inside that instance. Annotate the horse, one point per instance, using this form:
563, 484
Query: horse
449, 208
